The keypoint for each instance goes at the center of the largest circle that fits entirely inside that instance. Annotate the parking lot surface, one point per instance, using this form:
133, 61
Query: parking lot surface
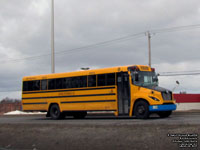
100, 132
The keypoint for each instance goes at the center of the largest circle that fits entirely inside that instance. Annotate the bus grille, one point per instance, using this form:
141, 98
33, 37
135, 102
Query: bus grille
167, 95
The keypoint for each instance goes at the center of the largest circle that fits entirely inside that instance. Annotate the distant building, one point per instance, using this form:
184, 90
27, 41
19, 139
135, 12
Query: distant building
7, 105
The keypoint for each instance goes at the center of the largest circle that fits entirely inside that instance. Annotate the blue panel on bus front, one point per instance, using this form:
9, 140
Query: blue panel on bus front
168, 107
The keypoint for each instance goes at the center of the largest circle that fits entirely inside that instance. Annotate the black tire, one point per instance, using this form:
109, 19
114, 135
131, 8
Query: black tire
164, 114
55, 112
141, 110
80, 115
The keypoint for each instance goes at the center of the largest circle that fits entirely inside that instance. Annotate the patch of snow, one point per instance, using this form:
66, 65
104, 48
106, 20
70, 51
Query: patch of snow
17, 112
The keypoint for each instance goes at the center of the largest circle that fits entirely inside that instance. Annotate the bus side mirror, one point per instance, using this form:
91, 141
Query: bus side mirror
155, 79
178, 83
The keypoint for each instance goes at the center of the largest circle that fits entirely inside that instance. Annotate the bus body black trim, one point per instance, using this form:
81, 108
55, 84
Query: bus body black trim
99, 88
68, 96
88, 101
34, 103
89, 110
71, 110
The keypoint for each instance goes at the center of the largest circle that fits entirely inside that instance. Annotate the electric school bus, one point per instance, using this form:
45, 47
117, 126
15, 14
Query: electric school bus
123, 91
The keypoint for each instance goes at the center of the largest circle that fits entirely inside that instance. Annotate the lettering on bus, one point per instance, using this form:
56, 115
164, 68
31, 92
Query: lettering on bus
144, 68
66, 93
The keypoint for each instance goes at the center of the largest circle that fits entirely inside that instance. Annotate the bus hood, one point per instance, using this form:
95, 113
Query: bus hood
159, 89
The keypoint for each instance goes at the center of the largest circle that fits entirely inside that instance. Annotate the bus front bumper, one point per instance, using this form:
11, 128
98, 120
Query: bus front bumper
168, 107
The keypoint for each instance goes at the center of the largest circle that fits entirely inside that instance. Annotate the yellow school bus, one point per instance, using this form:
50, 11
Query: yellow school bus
124, 91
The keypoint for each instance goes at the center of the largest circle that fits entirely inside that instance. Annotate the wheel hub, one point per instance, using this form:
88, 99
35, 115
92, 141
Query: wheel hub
141, 109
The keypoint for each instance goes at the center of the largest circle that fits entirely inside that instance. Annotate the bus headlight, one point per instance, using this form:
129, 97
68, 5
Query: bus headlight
155, 99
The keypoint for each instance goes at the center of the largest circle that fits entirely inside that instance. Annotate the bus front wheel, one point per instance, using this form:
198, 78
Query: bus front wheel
141, 110
55, 112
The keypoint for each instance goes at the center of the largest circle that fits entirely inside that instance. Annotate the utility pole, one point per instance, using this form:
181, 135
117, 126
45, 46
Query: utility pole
149, 46
52, 38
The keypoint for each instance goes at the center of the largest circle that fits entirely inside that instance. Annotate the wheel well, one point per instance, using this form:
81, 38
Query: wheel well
140, 99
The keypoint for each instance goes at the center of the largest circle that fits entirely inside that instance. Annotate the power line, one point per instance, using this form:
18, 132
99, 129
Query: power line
100, 44
10, 91
186, 74
25, 58
87, 47
180, 71
178, 28
121, 39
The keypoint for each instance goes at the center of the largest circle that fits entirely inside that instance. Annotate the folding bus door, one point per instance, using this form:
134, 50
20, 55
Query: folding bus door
123, 89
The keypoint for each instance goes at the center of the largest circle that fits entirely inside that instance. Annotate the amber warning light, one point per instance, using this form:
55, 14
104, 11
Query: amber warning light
134, 68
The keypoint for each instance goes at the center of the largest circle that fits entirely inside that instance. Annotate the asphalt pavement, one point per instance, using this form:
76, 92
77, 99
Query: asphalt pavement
179, 131
181, 118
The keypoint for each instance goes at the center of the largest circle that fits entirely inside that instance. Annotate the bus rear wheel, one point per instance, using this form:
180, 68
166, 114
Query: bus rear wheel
55, 112
141, 110
164, 114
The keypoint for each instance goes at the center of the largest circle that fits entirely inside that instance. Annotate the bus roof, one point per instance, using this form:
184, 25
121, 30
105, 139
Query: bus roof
84, 72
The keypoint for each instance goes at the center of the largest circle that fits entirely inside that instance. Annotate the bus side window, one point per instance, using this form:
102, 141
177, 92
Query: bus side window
92, 81
74, 82
83, 81
43, 84
101, 80
67, 83
58, 83
51, 84
36, 85
110, 79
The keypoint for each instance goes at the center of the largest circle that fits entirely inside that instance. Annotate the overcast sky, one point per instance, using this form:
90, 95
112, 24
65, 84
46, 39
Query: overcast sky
25, 27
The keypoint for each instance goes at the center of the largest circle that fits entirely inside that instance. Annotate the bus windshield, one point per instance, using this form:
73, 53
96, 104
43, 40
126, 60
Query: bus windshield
144, 78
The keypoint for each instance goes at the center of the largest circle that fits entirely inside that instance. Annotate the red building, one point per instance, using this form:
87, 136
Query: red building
187, 98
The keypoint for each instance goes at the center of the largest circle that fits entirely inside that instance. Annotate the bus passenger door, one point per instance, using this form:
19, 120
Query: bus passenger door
123, 90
